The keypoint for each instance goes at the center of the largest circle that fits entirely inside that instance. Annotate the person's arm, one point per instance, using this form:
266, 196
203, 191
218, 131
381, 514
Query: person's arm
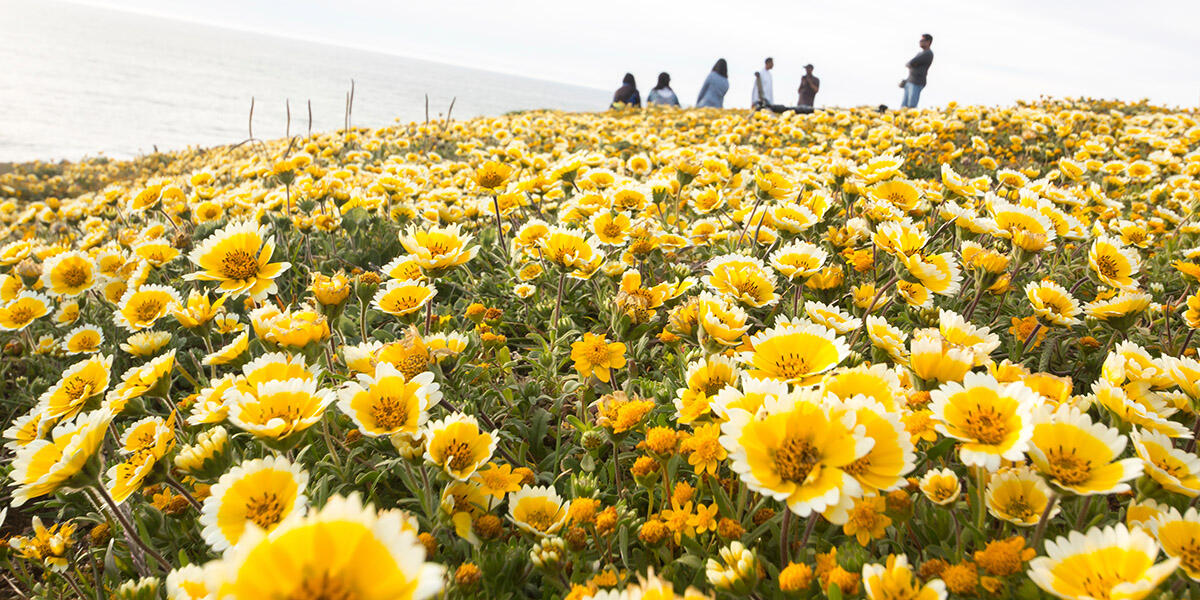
703, 88
815, 84
921, 60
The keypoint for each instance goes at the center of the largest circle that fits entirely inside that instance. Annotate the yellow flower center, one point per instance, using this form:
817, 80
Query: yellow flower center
858, 467
265, 510
73, 275
1189, 554
795, 459
1068, 468
85, 340
1107, 266
1020, 508
323, 586
985, 425
540, 518
597, 353
148, 310
239, 265
76, 388
459, 455
21, 314
792, 365
390, 412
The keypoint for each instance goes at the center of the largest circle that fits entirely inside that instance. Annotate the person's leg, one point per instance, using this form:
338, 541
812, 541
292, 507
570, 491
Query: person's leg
916, 95
907, 95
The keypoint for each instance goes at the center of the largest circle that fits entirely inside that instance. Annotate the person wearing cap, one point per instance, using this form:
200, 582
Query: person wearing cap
809, 86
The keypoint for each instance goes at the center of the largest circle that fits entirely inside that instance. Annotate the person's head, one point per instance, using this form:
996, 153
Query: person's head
769, 63
926, 41
664, 81
628, 80
808, 69
721, 68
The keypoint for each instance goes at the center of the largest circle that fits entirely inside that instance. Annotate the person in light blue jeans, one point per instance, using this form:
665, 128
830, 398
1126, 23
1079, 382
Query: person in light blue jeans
918, 69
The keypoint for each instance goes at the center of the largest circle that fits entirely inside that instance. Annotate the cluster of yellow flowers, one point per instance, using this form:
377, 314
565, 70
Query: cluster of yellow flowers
652, 354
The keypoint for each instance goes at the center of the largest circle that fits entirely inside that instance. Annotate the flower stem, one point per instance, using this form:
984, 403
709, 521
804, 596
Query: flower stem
1041, 526
178, 487
783, 537
131, 533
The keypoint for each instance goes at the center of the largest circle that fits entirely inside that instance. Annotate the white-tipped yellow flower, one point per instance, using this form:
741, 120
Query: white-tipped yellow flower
79, 383
832, 317
1179, 535
1052, 303
1114, 264
345, 549
896, 581
458, 446
69, 274
742, 279
140, 308
277, 409
933, 359
537, 510
1019, 496
238, 256
387, 403
795, 353
400, 298
797, 452
1080, 456
798, 259
940, 486
438, 249
43, 466
263, 492
1110, 562
25, 308
1175, 469
992, 420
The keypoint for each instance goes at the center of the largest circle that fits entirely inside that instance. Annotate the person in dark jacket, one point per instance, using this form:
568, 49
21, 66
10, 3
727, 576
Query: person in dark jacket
628, 93
662, 92
809, 86
918, 68
712, 93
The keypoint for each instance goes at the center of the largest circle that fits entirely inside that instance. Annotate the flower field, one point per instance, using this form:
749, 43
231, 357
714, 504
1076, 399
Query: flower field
640, 354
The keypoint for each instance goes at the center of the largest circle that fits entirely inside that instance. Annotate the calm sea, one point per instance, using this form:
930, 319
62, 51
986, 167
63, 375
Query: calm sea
81, 81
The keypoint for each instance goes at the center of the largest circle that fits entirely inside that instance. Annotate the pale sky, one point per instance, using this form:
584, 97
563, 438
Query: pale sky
985, 52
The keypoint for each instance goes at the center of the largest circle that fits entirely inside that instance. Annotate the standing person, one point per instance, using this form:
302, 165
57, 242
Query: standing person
918, 68
712, 93
763, 93
628, 93
662, 92
809, 86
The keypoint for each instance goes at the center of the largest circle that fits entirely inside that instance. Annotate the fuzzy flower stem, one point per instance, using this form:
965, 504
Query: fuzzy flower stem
1041, 526
131, 534
178, 487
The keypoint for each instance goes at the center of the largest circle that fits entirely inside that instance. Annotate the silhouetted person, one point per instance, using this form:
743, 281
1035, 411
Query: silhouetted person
809, 86
662, 92
763, 93
918, 68
712, 93
628, 93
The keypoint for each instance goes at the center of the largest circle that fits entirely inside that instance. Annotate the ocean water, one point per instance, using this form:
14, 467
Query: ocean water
83, 81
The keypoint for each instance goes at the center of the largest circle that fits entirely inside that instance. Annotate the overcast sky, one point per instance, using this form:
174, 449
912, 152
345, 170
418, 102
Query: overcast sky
985, 52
